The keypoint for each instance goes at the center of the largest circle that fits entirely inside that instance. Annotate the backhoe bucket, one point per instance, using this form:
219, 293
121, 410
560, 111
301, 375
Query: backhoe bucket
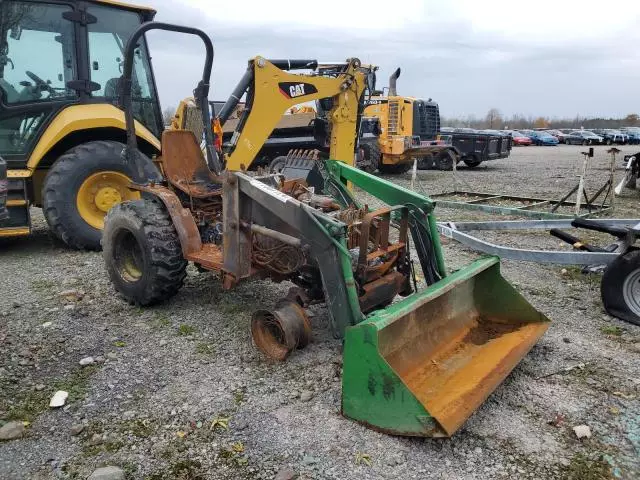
423, 365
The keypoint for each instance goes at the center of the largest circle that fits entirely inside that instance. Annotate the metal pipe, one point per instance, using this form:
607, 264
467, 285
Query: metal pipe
126, 101
392, 83
241, 88
267, 232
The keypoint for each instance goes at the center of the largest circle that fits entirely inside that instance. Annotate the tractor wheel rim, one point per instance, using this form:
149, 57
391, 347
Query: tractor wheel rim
101, 191
631, 291
128, 256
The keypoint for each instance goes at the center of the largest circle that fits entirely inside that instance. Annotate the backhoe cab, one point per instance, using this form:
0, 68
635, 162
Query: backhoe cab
419, 356
61, 133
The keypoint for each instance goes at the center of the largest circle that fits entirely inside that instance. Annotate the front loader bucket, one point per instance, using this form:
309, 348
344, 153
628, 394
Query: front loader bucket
423, 365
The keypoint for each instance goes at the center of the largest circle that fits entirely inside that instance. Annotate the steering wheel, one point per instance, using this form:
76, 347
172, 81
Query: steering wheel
39, 82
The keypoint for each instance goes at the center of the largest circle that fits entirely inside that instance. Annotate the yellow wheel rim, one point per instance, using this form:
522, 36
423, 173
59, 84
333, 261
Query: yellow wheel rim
101, 191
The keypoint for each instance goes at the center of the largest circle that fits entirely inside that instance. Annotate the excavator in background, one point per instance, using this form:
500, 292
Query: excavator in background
410, 128
423, 348
303, 128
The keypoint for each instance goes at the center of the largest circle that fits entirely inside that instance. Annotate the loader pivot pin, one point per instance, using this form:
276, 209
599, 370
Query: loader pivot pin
280, 331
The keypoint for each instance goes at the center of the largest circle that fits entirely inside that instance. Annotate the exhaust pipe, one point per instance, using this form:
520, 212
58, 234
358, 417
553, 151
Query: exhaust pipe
392, 83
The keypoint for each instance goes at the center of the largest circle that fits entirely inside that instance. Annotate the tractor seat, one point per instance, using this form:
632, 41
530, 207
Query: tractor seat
185, 166
111, 88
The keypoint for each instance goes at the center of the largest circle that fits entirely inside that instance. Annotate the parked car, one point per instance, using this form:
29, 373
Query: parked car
503, 133
520, 139
583, 137
611, 136
633, 133
558, 134
542, 138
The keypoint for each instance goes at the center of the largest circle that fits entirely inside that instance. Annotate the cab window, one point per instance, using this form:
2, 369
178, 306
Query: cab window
36, 52
107, 41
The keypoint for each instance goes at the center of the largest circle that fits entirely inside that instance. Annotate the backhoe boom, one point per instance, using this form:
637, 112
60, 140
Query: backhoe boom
271, 91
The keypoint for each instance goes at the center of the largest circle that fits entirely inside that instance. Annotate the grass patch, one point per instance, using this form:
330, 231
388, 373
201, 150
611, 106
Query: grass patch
229, 308
141, 428
119, 344
575, 273
205, 348
28, 406
584, 468
185, 330
43, 285
612, 330
161, 320
238, 397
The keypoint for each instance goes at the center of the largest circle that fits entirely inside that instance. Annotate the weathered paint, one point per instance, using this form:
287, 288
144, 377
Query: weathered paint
423, 365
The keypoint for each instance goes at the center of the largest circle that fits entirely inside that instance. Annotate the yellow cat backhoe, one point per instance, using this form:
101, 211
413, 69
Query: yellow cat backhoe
419, 355
61, 133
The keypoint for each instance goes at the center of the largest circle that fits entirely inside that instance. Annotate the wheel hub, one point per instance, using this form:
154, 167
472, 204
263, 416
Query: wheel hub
99, 192
631, 291
106, 198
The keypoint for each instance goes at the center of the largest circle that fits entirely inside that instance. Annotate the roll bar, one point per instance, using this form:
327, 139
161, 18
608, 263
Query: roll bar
201, 92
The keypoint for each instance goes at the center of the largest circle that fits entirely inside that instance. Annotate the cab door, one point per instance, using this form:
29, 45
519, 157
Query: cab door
37, 71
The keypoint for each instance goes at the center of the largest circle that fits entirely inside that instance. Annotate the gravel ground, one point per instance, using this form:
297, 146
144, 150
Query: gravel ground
178, 391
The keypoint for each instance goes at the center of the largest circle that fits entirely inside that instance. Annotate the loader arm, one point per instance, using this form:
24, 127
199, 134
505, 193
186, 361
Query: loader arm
271, 91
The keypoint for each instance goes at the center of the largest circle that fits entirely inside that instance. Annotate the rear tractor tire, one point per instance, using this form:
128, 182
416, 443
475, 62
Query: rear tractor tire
81, 187
142, 252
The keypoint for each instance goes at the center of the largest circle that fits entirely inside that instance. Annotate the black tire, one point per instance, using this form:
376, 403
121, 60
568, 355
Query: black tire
142, 252
277, 164
608, 141
395, 169
445, 159
471, 161
426, 162
620, 287
63, 182
372, 156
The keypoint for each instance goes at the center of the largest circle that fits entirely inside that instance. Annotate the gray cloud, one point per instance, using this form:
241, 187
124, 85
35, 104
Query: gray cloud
466, 72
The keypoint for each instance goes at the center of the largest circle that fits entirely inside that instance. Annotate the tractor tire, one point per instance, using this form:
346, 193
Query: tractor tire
277, 164
142, 252
620, 287
81, 187
372, 157
471, 161
444, 160
426, 162
395, 169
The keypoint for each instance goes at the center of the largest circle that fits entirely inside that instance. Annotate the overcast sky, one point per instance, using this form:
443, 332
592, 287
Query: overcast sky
545, 57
